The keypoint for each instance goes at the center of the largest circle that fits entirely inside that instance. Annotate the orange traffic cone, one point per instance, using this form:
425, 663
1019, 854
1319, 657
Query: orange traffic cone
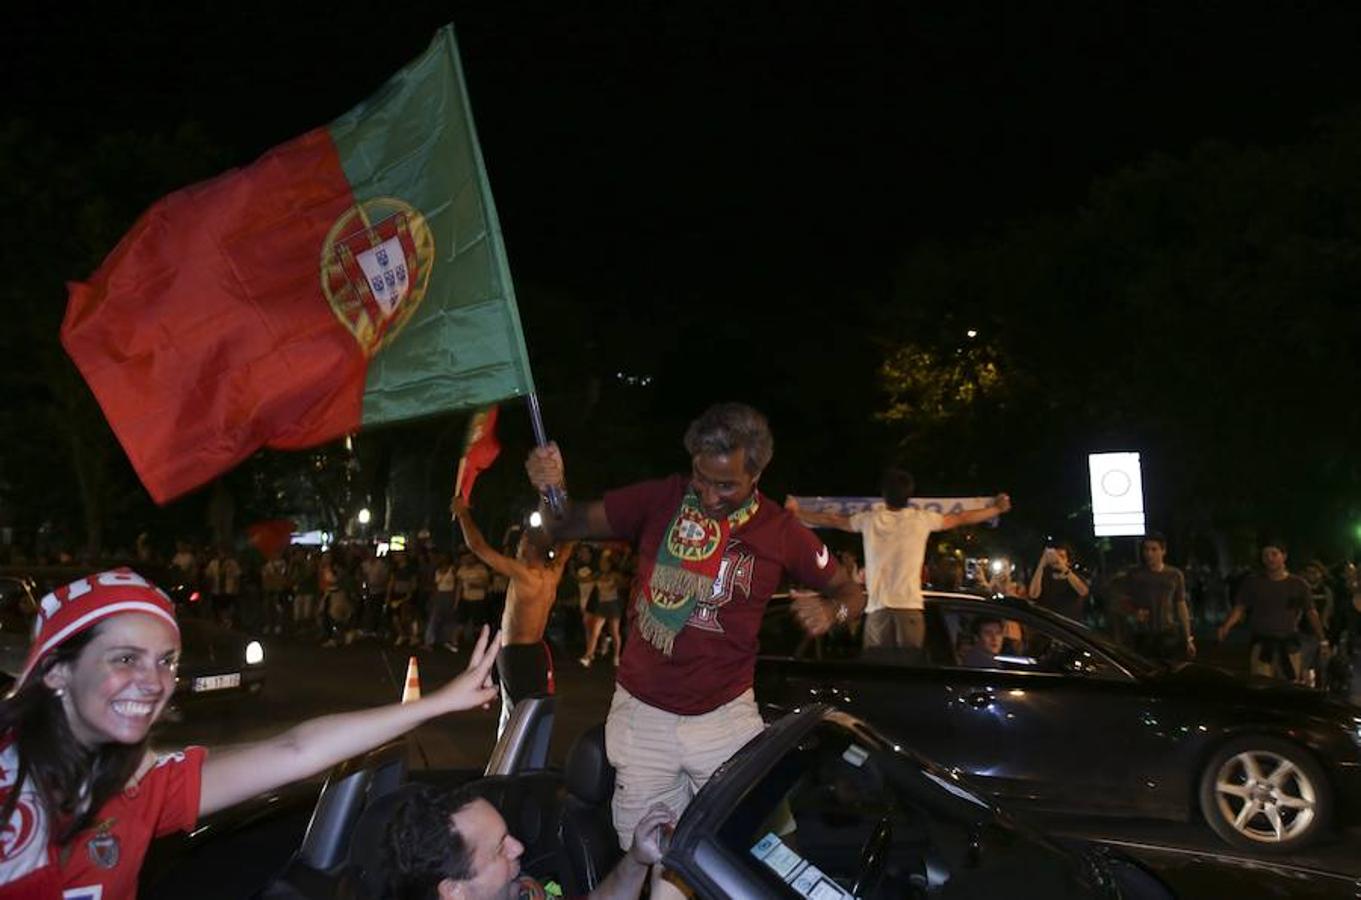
412, 691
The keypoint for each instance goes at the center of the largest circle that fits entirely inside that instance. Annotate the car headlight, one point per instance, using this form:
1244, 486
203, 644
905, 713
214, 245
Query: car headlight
255, 653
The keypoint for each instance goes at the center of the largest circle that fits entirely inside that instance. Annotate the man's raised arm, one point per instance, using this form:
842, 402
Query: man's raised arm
585, 520
1000, 504
818, 519
472, 536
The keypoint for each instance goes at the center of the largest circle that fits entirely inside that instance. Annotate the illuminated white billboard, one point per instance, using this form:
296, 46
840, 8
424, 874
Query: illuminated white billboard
1117, 494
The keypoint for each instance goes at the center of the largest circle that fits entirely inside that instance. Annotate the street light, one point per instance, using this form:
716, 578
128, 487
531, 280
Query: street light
536, 519
365, 516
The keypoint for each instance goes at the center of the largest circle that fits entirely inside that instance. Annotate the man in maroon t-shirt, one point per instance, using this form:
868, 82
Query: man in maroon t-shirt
711, 551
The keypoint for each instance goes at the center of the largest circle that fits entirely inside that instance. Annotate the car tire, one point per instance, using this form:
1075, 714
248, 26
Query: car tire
1265, 794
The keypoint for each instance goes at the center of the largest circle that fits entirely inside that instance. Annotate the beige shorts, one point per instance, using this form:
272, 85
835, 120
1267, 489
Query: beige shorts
662, 757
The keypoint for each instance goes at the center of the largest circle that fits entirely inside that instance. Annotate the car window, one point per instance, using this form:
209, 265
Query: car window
996, 640
842, 816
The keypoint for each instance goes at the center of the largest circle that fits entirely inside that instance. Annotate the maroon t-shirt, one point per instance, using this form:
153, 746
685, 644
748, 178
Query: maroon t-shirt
713, 659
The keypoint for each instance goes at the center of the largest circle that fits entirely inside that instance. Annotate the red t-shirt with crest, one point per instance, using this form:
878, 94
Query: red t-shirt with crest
713, 659
103, 861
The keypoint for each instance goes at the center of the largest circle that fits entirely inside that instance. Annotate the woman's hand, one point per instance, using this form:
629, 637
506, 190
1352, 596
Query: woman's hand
473, 688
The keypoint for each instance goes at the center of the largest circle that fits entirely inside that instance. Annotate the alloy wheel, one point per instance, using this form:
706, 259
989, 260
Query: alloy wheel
1265, 796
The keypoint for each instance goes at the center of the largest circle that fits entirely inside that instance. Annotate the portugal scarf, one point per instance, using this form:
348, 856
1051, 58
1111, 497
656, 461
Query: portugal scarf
688, 559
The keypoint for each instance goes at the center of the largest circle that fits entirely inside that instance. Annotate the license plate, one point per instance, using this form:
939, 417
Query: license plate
217, 682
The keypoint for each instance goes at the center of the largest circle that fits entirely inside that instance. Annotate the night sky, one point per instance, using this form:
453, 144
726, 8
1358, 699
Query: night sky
739, 162
702, 148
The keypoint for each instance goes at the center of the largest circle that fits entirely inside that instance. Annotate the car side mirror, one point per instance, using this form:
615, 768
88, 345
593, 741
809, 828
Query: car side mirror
1072, 662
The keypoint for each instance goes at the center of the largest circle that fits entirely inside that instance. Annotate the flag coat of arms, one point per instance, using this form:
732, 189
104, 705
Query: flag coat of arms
354, 276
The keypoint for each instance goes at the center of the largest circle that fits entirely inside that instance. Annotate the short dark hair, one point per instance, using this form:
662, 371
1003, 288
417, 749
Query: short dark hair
1156, 537
725, 427
424, 847
897, 486
1274, 540
980, 621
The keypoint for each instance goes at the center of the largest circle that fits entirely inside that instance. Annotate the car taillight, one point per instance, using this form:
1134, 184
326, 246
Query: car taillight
194, 597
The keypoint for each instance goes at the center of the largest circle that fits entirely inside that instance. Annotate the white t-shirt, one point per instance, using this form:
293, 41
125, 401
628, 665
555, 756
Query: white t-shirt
895, 547
475, 578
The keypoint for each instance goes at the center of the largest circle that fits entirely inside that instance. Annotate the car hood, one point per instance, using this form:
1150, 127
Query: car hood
1223, 684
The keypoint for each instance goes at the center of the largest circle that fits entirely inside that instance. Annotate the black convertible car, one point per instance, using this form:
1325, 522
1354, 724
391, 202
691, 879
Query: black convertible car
819, 806
1061, 718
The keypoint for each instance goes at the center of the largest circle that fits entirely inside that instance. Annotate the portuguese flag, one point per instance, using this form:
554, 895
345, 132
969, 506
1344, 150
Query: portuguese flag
480, 449
353, 276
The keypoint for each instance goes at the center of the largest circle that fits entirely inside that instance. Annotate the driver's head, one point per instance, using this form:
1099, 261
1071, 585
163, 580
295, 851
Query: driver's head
451, 846
990, 633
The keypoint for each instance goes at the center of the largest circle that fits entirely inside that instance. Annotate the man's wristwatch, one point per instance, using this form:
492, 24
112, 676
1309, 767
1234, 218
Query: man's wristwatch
843, 612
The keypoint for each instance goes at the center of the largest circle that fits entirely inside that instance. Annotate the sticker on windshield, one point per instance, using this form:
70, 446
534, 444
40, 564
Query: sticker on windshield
955, 789
856, 755
806, 879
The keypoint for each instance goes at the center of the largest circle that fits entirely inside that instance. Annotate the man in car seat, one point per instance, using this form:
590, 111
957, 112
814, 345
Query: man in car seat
987, 644
454, 845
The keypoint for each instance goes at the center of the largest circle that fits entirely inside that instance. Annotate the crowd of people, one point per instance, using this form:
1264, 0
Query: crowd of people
1301, 628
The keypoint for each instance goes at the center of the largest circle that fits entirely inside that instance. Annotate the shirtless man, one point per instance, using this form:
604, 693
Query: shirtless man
525, 661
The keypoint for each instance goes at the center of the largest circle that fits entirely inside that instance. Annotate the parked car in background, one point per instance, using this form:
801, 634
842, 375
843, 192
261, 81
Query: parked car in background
1060, 718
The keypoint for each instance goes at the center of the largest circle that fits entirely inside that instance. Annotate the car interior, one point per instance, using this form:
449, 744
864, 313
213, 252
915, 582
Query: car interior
561, 816
831, 820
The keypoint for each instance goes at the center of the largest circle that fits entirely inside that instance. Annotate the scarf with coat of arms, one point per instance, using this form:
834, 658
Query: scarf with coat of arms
688, 559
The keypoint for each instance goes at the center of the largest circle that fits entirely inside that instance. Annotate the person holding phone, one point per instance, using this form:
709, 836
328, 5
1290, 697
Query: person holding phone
1056, 586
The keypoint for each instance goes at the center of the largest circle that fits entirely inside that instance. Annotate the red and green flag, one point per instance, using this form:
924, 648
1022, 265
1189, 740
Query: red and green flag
480, 449
354, 276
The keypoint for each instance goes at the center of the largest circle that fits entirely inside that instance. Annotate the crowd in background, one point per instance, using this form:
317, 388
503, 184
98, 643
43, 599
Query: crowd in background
426, 598
419, 597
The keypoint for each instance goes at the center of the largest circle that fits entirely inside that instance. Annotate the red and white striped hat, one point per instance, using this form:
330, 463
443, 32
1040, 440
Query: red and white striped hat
83, 603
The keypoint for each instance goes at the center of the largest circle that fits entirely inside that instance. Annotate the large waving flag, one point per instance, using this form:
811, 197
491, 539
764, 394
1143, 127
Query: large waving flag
353, 276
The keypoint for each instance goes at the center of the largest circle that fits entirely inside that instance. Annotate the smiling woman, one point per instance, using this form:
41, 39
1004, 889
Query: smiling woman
81, 795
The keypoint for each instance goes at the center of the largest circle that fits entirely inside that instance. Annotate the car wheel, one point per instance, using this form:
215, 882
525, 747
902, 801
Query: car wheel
1261, 793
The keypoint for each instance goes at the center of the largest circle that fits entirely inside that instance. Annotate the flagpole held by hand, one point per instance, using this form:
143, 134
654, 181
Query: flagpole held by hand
555, 498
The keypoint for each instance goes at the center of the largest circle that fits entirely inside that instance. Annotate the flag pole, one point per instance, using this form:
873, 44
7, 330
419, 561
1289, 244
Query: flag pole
555, 496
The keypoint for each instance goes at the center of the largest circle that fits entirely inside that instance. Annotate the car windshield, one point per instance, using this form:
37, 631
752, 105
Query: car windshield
844, 815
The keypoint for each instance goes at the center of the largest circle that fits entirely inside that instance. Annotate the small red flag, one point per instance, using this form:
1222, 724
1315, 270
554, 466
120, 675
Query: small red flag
271, 536
479, 452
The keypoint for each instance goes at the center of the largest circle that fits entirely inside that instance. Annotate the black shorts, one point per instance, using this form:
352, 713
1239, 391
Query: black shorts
524, 671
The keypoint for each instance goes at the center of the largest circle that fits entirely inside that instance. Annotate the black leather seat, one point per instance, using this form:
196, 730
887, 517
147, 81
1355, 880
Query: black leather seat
367, 873
590, 845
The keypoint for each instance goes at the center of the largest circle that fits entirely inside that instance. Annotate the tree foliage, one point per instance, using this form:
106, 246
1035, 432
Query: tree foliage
1202, 310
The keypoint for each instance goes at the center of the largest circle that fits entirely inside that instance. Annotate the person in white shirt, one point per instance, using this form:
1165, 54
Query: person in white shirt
895, 536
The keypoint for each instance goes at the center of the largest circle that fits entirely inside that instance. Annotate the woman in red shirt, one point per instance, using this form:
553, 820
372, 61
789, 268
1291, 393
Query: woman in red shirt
81, 795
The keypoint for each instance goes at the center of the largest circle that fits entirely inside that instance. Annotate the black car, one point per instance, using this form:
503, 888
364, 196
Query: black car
1061, 718
818, 806
216, 662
